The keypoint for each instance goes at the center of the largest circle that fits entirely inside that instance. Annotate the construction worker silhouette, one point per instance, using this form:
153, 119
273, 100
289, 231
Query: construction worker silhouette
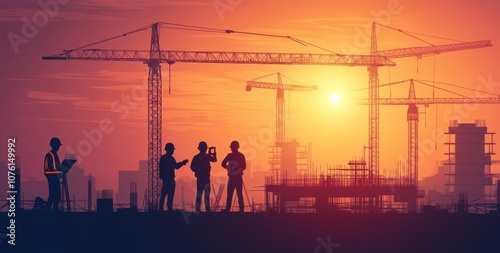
201, 167
235, 164
52, 171
168, 165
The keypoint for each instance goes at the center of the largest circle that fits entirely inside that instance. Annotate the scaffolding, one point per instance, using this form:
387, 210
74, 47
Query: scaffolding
288, 158
342, 189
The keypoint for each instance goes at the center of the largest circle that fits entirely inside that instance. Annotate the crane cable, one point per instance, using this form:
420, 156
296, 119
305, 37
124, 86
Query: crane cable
289, 96
459, 86
289, 99
390, 87
412, 34
292, 80
381, 85
202, 29
426, 83
406, 33
169, 77
111, 38
264, 76
443, 89
228, 31
268, 75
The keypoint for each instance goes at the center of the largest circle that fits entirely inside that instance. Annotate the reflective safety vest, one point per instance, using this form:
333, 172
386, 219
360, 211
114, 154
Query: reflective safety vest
53, 170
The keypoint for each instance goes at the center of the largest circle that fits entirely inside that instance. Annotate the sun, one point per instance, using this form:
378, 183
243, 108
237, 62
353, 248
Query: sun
334, 98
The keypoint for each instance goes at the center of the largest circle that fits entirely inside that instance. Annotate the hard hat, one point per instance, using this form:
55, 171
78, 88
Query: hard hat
55, 142
202, 145
235, 144
169, 146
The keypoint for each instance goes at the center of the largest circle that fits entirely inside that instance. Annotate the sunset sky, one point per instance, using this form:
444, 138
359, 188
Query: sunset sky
68, 99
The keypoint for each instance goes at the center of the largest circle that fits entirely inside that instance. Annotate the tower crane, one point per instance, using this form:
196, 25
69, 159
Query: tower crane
280, 87
282, 149
412, 117
373, 86
155, 56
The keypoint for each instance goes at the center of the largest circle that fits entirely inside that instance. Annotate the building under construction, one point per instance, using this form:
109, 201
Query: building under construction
289, 158
351, 189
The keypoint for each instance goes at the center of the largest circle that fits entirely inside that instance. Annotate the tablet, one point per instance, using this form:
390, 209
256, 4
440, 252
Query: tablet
67, 164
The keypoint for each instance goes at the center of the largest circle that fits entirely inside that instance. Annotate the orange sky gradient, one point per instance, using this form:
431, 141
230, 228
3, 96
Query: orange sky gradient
42, 99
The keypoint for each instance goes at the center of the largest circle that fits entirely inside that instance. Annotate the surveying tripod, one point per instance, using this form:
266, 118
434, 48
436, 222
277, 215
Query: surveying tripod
65, 194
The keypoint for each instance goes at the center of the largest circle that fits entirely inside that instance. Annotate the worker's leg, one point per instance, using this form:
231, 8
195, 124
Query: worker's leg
170, 192
207, 195
54, 192
57, 189
199, 191
163, 194
239, 192
230, 191
50, 199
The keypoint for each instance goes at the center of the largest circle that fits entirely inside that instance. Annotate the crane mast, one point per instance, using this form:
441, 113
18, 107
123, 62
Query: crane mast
373, 114
154, 118
412, 118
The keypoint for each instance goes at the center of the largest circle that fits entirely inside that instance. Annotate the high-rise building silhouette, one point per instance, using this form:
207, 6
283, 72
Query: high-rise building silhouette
470, 147
125, 178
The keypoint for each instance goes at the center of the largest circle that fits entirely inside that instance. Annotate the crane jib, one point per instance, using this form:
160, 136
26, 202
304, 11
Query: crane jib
225, 57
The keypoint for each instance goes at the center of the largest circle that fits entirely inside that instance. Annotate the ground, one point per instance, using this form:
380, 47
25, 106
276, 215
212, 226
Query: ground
252, 232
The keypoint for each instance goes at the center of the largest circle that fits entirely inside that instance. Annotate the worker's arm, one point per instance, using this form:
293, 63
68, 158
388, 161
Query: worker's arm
161, 163
180, 164
193, 164
48, 166
224, 163
213, 157
243, 162
161, 168
58, 165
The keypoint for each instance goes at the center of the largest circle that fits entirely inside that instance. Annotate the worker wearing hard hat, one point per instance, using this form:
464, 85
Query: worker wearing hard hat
201, 168
235, 164
52, 171
168, 165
